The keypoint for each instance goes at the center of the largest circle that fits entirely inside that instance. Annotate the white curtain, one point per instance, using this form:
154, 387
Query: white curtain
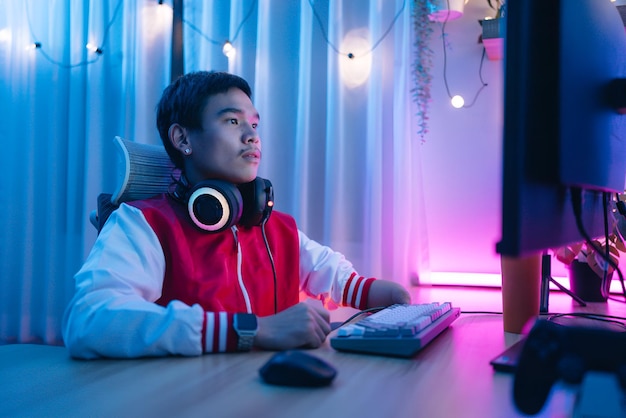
344, 159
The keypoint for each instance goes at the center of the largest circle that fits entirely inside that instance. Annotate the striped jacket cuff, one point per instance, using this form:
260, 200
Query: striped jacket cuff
218, 335
356, 291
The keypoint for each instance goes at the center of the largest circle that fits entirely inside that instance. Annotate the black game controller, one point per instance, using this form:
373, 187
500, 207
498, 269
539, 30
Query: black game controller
554, 352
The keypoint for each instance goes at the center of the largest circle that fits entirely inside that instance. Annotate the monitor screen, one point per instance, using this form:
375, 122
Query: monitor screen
564, 138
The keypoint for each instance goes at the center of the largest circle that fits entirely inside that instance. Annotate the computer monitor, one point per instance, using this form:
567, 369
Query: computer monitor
564, 138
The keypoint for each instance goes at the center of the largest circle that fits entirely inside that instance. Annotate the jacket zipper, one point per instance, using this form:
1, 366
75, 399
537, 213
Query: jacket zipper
244, 291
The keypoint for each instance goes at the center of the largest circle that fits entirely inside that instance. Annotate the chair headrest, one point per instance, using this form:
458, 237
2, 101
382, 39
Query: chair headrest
144, 171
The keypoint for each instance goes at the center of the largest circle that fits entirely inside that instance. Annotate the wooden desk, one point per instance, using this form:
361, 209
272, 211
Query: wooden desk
450, 378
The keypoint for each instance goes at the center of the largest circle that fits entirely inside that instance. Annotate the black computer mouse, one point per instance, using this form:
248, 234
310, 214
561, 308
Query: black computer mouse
297, 368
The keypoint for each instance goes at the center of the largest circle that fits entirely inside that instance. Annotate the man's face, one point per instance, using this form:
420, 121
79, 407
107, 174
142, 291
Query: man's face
228, 146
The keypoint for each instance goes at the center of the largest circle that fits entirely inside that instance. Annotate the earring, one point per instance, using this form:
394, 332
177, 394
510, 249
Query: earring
187, 151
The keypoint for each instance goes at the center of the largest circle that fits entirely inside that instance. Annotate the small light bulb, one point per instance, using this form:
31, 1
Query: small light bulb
34, 45
457, 101
5, 35
228, 49
93, 48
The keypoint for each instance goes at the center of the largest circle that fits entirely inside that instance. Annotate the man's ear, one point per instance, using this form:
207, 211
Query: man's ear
178, 137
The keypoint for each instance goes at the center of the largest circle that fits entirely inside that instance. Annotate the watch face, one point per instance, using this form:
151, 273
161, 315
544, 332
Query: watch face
245, 322
245, 325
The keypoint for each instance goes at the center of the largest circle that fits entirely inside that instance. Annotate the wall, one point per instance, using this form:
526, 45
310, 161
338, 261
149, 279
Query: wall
462, 157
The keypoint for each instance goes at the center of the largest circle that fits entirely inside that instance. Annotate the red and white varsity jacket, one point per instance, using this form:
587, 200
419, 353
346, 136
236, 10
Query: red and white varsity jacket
154, 284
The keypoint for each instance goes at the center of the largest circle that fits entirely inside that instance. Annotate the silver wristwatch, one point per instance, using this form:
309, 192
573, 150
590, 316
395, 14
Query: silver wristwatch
245, 326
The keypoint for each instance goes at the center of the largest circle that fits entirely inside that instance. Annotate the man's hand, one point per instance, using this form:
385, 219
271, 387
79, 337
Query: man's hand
301, 325
385, 293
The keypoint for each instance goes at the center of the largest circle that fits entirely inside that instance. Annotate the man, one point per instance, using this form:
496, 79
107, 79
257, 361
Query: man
161, 281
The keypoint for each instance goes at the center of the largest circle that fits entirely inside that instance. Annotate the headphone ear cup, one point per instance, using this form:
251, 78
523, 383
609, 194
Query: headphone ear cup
214, 205
258, 201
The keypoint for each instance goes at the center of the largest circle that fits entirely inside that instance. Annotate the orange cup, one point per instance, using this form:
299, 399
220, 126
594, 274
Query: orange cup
521, 285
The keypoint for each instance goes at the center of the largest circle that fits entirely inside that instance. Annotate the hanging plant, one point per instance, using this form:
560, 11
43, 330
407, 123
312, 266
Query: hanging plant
423, 64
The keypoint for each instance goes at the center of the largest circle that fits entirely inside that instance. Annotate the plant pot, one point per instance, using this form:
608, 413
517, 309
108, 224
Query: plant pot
494, 48
445, 10
493, 28
493, 37
586, 284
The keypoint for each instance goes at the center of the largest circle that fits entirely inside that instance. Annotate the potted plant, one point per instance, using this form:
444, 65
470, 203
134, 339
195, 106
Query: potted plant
424, 14
587, 265
492, 36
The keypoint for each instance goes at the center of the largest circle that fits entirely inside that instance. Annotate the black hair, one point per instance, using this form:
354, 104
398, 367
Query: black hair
184, 100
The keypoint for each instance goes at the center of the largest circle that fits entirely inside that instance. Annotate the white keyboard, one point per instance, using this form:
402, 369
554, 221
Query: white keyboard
397, 330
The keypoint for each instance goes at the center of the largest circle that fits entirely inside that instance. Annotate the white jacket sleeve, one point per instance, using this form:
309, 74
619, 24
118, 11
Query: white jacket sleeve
327, 275
113, 313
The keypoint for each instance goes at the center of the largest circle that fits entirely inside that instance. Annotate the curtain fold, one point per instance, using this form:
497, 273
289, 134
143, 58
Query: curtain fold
344, 159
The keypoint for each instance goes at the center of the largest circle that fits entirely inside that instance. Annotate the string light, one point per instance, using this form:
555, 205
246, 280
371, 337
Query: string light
33, 46
355, 71
458, 101
229, 50
233, 51
5, 35
351, 55
227, 47
91, 47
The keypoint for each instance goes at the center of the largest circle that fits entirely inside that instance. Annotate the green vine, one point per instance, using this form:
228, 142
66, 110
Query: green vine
423, 64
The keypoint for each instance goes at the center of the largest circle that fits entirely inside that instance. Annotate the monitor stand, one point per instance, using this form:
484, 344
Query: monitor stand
546, 279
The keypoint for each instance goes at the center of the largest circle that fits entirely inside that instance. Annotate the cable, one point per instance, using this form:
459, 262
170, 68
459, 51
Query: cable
621, 208
243, 21
620, 205
480, 76
105, 37
359, 313
350, 54
445, 65
576, 193
98, 50
230, 41
551, 316
611, 319
199, 32
604, 290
